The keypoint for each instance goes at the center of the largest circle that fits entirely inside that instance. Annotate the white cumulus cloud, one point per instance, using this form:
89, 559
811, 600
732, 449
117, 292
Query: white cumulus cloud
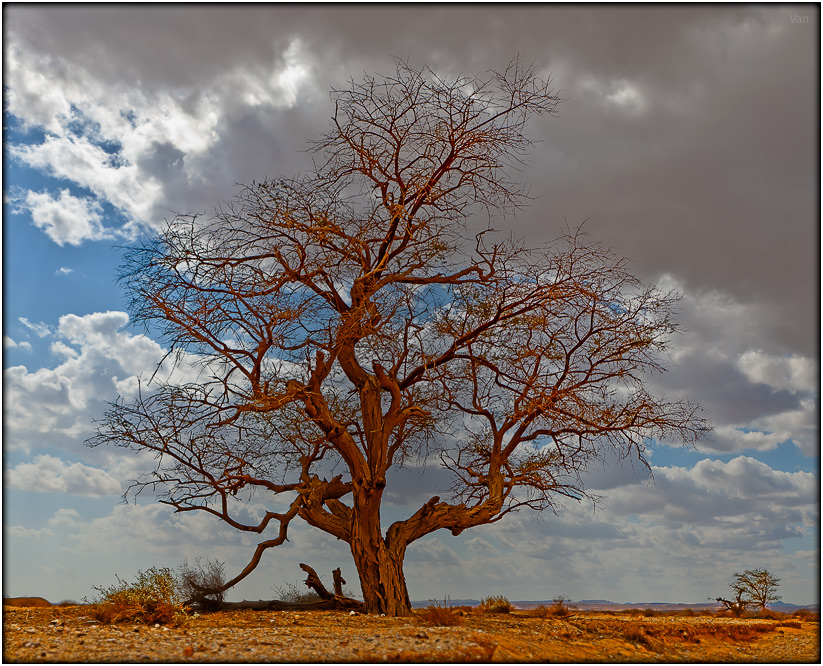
51, 474
95, 357
26, 532
793, 373
10, 343
67, 218
145, 150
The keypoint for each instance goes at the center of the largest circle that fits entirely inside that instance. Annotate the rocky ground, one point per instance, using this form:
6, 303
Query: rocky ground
69, 634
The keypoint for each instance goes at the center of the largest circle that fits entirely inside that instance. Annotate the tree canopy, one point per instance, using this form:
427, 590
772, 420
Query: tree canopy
357, 318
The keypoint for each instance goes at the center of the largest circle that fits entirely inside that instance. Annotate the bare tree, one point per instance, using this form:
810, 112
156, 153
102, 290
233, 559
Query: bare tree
758, 586
352, 320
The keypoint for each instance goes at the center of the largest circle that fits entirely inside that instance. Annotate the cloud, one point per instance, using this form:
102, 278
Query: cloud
50, 474
26, 533
73, 551
726, 359
145, 150
42, 330
63, 271
9, 343
433, 552
97, 358
154, 529
680, 537
78, 160
68, 517
723, 495
67, 219
793, 373
479, 545
621, 94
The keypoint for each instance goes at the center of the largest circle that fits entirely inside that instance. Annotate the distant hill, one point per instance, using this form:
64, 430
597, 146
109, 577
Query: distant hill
604, 604
452, 602
780, 605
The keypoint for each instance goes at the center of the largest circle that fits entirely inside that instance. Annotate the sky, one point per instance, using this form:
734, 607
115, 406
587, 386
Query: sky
688, 142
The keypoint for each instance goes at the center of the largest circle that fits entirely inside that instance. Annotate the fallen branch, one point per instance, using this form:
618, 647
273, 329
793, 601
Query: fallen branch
336, 603
313, 582
327, 601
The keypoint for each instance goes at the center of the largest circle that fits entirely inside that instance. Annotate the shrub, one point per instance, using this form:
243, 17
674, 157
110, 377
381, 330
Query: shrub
154, 598
435, 615
637, 635
557, 609
806, 615
791, 624
200, 578
767, 614
299, 594
748, 632
497, 604
293, 594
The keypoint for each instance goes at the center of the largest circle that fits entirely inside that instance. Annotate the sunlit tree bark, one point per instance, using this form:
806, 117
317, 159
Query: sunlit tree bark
352, 320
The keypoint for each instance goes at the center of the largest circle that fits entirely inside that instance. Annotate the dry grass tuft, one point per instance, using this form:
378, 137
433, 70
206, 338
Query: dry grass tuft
648, 634
806, 615
558, 609
791, 624
154, 598
638, 635
435, 615
497, 604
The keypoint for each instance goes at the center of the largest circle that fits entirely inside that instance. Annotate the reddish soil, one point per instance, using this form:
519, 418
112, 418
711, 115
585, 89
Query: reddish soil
69, 634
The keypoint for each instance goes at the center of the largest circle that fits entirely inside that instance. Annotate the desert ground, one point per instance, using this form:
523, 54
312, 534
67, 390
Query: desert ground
70, 634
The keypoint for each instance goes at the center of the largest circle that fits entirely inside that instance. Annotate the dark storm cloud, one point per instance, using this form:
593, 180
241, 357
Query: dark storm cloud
733, 398
687, 138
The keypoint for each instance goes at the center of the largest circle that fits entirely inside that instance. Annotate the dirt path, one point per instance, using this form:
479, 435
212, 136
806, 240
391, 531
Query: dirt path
68, 635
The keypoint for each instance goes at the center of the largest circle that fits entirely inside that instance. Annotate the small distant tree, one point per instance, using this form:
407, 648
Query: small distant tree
353, 320
758, 586
753, 587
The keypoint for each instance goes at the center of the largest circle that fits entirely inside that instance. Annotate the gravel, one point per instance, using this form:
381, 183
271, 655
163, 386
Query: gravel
68, 634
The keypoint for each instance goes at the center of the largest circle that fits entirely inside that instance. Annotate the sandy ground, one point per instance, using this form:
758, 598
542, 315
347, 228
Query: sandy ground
69, 634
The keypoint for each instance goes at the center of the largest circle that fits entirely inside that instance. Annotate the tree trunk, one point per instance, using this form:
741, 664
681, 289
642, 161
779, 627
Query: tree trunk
379, 566
382, 580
